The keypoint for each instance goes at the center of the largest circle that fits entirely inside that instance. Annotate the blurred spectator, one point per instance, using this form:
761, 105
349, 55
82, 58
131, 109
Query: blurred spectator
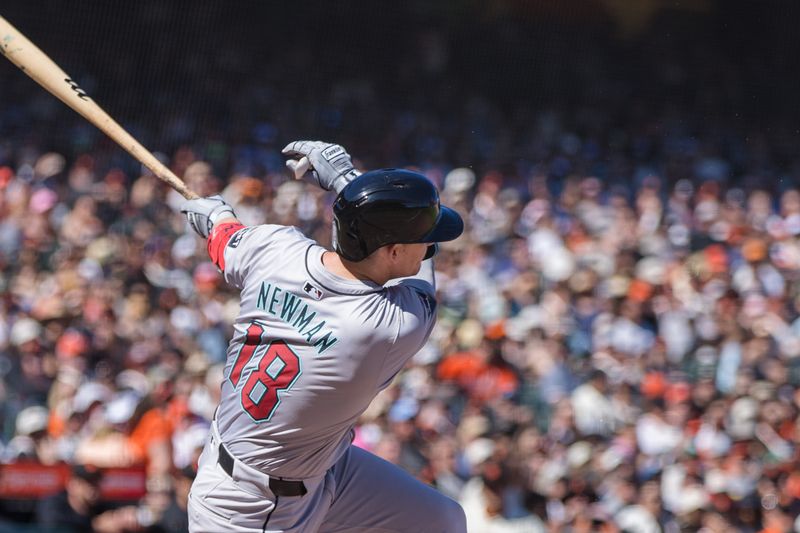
76, 509
493, 503
173, 517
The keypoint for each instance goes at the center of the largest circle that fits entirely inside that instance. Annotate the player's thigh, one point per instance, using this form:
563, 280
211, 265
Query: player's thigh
371, 494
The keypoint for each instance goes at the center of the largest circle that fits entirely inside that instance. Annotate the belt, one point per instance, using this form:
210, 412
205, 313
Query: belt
279, 487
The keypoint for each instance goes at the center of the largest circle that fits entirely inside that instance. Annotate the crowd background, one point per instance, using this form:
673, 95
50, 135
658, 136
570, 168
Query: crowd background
618, 340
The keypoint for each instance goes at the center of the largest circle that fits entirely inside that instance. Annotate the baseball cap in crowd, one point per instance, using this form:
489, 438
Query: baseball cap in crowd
206, 275
198, 170
89, 269
201, 403
286, 197
639, 290
42, 200
652, 269
611, 458
405, 408
121, 408
716, 258
102, 250
578, 454
636, 519
495, 330
134, 381
677, 392
250, 187
88, 473
742, 416
754, 249
88, 394
478, 451
160, 374
72, 343
69, 376
187, 442
653, 385
691, 499
32, 420
472, 426
186, 319
6, 174
459, 180
469, 333
196, 363
762, 390
49, 164
519, 326
184, 247
25, 330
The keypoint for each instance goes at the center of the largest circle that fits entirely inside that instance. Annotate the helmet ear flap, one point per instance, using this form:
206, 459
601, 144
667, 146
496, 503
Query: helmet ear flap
354, 236
431, 251
349, 243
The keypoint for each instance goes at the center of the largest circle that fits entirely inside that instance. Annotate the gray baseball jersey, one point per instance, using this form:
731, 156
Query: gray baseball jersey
310, 350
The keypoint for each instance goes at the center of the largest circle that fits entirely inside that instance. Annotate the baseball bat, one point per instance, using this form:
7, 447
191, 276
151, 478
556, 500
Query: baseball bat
303, 166
35, 63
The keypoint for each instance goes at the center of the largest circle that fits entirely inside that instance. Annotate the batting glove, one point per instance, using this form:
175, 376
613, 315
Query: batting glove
203, 213
331, 165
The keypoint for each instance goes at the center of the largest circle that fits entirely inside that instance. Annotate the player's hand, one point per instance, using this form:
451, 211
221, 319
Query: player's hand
331, 165
203, 213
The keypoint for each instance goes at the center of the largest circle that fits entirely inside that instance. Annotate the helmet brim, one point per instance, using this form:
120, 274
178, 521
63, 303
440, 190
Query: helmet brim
448, 227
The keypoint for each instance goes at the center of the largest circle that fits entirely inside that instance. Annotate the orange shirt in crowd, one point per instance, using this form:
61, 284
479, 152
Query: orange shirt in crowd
483, 381
155, 426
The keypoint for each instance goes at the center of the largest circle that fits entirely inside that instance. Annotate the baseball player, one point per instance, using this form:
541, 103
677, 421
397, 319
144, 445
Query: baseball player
319, 334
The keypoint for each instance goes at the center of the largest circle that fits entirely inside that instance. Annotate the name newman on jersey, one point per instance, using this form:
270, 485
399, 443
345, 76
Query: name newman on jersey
293, 311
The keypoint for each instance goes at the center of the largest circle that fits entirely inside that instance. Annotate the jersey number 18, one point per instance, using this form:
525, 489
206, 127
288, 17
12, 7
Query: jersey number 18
277, 371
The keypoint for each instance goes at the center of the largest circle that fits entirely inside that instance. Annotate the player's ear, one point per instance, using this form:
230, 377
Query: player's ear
394, 251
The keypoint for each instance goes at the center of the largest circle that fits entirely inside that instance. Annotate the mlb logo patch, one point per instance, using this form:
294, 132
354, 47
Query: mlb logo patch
312, 291
237, 238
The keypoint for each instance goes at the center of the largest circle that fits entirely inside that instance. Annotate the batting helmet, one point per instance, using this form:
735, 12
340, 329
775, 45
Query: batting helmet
390, 206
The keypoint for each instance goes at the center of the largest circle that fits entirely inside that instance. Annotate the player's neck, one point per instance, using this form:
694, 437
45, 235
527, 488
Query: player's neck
362, 270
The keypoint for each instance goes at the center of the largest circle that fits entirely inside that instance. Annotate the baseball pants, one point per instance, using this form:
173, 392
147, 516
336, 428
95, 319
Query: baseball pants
360, 493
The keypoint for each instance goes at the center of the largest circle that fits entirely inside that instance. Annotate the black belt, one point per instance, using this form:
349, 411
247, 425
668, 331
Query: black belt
279, 487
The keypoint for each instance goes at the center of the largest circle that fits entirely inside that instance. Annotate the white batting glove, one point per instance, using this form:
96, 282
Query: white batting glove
203, 213
330, 165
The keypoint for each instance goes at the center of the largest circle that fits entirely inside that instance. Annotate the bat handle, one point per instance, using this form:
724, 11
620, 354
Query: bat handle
185, 191
300, 167
179, 186
159, 170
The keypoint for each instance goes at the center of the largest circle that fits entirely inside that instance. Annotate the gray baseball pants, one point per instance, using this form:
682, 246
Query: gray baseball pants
360, 493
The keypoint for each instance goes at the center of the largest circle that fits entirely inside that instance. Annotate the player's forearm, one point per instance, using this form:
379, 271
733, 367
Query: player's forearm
228, 220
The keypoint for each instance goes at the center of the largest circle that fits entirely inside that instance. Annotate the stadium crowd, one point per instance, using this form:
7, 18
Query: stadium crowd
618, 334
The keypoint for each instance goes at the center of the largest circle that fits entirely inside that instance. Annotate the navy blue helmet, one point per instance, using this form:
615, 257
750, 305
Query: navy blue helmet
390, 206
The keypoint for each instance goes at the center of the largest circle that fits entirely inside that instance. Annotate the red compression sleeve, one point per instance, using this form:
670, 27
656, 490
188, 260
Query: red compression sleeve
218, 240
